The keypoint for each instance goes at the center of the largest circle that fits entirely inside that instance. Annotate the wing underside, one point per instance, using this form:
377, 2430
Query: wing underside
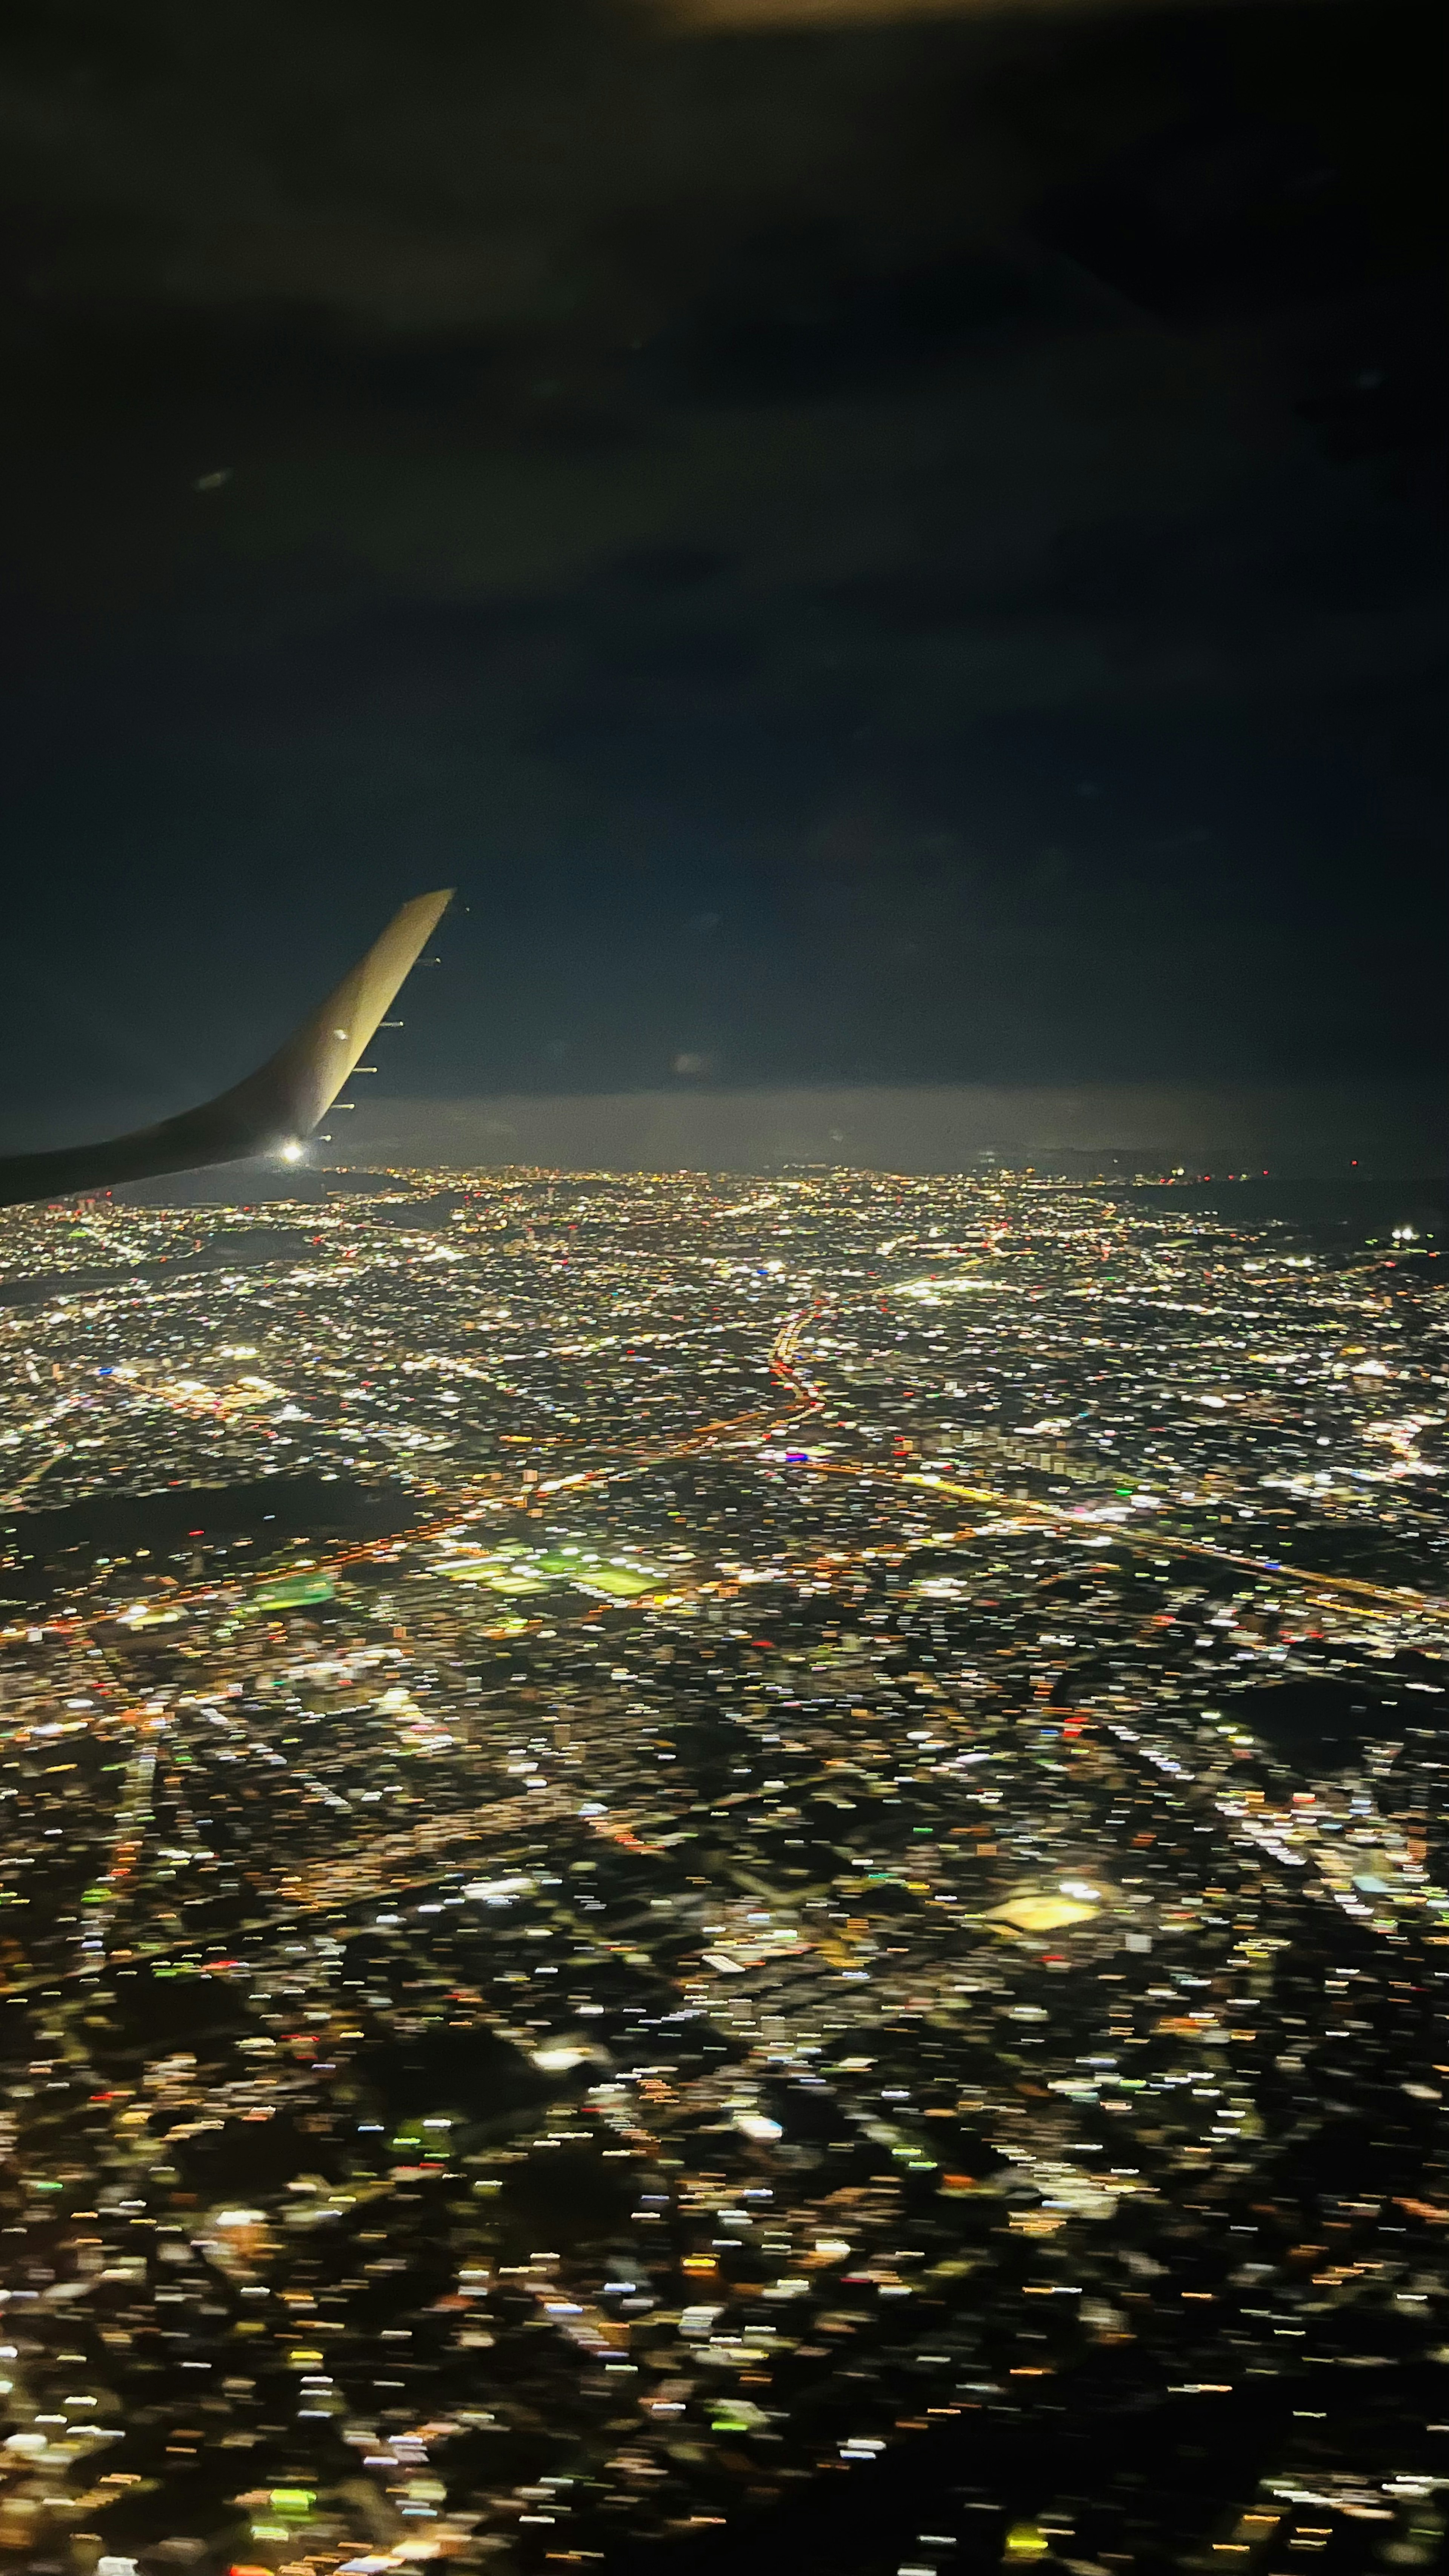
277, 1106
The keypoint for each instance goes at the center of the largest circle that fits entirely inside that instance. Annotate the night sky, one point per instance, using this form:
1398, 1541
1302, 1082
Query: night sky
888, 554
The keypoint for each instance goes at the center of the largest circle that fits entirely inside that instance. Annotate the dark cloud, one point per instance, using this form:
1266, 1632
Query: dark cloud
958, 505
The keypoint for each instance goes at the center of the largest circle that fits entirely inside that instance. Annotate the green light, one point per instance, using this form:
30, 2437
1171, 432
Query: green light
290, 1591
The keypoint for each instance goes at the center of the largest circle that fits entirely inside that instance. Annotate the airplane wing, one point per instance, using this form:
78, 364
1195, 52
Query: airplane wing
275, 1108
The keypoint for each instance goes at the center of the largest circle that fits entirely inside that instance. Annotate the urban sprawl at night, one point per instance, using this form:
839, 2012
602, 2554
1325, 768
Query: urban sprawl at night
691, 1857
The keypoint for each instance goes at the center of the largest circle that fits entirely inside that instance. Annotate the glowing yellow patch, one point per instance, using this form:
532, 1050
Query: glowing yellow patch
1041, 1913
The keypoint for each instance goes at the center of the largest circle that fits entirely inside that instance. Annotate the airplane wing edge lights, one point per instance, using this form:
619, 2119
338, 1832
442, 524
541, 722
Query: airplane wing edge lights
272, 1110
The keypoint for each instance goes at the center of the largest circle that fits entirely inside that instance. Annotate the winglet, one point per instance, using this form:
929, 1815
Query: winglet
276, 1107
289, 1095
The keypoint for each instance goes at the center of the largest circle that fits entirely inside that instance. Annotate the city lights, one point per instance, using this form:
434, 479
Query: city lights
744, 1819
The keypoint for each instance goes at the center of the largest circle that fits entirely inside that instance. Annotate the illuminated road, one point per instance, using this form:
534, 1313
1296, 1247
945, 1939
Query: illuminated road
399, 1863
1144, 1537
760, 1426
